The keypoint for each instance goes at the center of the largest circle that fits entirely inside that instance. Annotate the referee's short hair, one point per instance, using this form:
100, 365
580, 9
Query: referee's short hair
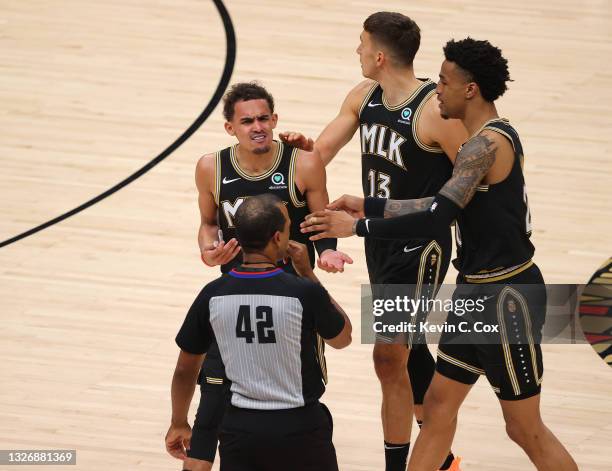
257, 220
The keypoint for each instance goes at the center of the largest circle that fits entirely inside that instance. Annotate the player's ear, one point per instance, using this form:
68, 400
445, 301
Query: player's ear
471, 90
380, 58
229, 128
274, 120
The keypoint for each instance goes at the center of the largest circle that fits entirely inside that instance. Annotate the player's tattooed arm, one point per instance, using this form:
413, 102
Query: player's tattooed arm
395, 208
474, 160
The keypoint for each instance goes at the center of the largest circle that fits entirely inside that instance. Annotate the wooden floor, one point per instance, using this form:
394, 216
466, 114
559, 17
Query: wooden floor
90, 91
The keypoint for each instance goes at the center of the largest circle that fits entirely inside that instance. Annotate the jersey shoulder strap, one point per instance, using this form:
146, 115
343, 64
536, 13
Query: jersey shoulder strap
374, 90
297, 198
502, 126
220, 156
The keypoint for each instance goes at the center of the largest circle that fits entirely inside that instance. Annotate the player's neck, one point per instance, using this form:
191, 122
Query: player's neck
256, 164
477, 114
398, 84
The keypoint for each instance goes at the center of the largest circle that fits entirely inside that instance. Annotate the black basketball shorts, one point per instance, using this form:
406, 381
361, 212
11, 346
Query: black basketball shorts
405, 268
509, 354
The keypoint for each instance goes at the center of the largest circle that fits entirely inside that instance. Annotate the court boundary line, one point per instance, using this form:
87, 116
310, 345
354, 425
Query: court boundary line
230, 59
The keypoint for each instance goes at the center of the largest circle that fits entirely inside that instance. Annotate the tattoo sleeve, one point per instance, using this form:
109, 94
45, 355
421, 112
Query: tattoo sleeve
473, 162
395, 208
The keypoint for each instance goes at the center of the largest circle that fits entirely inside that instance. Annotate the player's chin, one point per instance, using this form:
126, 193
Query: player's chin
261, 149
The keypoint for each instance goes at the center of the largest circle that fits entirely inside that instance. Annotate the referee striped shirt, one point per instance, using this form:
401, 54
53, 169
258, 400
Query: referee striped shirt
266, 324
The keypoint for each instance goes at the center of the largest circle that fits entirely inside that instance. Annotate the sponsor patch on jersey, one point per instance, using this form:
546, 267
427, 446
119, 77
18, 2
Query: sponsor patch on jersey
406, 114
278, 181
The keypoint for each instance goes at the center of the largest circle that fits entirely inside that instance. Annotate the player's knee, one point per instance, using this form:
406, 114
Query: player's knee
526, 435
437, 409
389, 364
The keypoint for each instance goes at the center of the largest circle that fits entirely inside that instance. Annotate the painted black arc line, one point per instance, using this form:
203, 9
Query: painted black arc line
230, 59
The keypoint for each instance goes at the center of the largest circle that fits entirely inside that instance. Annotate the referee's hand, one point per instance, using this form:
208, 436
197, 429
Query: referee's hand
178, 440
298, 253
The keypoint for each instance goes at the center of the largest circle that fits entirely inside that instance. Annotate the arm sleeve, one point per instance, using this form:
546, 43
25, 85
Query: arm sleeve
374, 207
323, 244
328, 321
424, 224
196, 334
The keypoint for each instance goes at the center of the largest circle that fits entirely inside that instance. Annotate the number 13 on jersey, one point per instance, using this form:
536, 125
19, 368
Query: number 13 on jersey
379, 184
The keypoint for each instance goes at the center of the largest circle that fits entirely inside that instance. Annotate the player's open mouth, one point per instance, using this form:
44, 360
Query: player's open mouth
259, 138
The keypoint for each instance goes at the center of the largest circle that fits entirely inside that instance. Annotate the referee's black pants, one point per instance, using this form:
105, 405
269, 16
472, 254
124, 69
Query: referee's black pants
277, 440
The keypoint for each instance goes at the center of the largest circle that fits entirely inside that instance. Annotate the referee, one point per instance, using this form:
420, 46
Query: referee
266, 323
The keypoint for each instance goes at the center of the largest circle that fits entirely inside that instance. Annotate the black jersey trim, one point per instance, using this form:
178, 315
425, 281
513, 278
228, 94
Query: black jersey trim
417, 115
503, 133
292, 184
509, 291
488, 123
367, 98
453, 361
407, 101
320, 347
498, 275
217, 193
267, 173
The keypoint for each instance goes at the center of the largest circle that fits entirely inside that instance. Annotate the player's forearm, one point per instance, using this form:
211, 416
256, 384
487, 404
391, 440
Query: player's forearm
329, 143
207, 236
388, 208
429, 223
183, 387
325, 152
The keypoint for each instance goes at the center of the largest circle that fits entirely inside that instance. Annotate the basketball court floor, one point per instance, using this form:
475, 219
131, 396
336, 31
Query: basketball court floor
92, 91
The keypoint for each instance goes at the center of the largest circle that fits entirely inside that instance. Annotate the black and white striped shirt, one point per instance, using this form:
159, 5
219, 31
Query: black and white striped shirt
266, 324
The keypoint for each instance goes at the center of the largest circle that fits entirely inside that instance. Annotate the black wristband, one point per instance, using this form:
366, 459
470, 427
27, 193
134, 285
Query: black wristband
361, 229
374, 207
323, 244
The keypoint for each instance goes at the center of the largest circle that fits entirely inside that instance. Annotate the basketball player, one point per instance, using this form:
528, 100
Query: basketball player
266, 323
257, 164
407, 151
487, 197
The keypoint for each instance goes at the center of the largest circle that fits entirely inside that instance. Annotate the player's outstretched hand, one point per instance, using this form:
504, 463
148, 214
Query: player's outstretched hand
353, 205
298, 253
178, 440
298, 140
332, 261
221, 253
329, 223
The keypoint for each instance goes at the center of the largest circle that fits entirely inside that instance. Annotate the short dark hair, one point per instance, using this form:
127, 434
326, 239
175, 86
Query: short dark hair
244, 91
482, 63
396, 32
257, 220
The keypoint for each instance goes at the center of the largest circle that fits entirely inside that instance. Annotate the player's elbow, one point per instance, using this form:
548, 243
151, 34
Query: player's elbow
324, 152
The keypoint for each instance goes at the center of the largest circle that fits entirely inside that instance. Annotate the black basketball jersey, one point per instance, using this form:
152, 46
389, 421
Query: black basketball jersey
494, 228
267, 325
233, 186
395, 163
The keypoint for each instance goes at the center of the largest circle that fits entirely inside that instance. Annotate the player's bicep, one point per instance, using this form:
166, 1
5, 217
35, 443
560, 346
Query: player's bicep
205, 183
474, 160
